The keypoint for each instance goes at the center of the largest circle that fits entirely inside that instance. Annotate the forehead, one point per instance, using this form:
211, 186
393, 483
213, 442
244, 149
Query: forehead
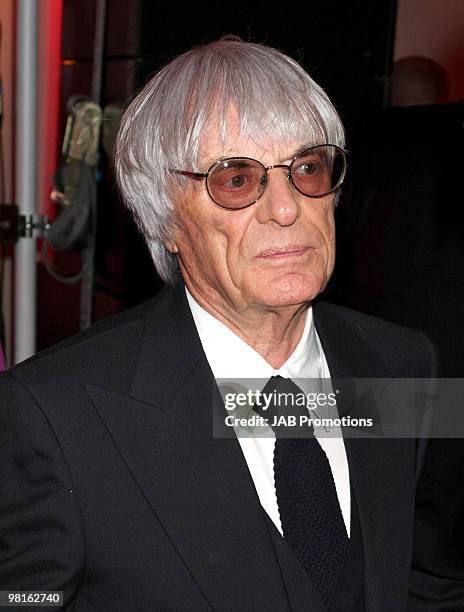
234, 142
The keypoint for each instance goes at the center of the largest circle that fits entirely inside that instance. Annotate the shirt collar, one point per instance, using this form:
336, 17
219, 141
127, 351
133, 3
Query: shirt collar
231, 357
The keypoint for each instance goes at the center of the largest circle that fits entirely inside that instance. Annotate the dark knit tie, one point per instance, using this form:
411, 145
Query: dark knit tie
309, 509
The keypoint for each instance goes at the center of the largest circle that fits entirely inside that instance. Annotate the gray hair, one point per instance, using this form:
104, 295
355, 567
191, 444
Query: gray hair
163, 126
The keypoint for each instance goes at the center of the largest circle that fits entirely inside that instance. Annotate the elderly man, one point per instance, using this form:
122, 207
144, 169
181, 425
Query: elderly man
115, 489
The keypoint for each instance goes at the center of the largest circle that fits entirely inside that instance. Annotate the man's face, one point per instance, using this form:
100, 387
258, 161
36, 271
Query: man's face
278, 252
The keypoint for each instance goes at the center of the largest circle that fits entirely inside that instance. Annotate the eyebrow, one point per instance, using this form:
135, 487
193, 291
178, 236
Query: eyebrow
230, 153
211, 160
303, 148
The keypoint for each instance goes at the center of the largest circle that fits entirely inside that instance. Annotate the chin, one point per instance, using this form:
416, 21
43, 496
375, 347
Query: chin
290, 289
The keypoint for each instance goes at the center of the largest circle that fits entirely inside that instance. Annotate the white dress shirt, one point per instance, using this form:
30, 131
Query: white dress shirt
231, 358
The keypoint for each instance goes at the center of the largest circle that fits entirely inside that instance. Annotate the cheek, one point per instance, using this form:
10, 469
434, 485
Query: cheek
328, 228
330, 240
237, 235
202, 245
319, 225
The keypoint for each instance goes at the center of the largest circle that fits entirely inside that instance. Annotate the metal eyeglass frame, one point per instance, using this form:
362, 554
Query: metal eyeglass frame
205, 175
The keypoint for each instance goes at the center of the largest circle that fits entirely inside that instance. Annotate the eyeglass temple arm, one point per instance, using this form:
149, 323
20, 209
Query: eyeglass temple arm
194, 175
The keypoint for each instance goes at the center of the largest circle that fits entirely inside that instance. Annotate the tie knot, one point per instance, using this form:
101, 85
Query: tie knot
283, 404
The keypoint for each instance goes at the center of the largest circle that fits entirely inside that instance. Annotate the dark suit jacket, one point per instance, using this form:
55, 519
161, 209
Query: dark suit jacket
114, 490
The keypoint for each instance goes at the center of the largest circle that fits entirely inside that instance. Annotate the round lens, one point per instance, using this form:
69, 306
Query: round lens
236, 182
319, 171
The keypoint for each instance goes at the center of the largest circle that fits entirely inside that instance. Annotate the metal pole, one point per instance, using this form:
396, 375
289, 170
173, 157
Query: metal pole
88, 279
26, 177
98, 50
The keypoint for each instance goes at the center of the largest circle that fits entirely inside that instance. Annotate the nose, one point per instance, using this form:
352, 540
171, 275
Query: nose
279, 202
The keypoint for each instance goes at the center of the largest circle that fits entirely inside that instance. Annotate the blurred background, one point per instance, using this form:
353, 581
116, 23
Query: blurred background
395, 71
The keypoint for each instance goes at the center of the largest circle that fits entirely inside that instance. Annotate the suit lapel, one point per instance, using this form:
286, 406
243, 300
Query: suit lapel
199, 487
381, 470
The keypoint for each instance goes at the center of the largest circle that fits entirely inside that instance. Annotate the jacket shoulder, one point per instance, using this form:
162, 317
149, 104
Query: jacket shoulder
405, 351
106, 352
